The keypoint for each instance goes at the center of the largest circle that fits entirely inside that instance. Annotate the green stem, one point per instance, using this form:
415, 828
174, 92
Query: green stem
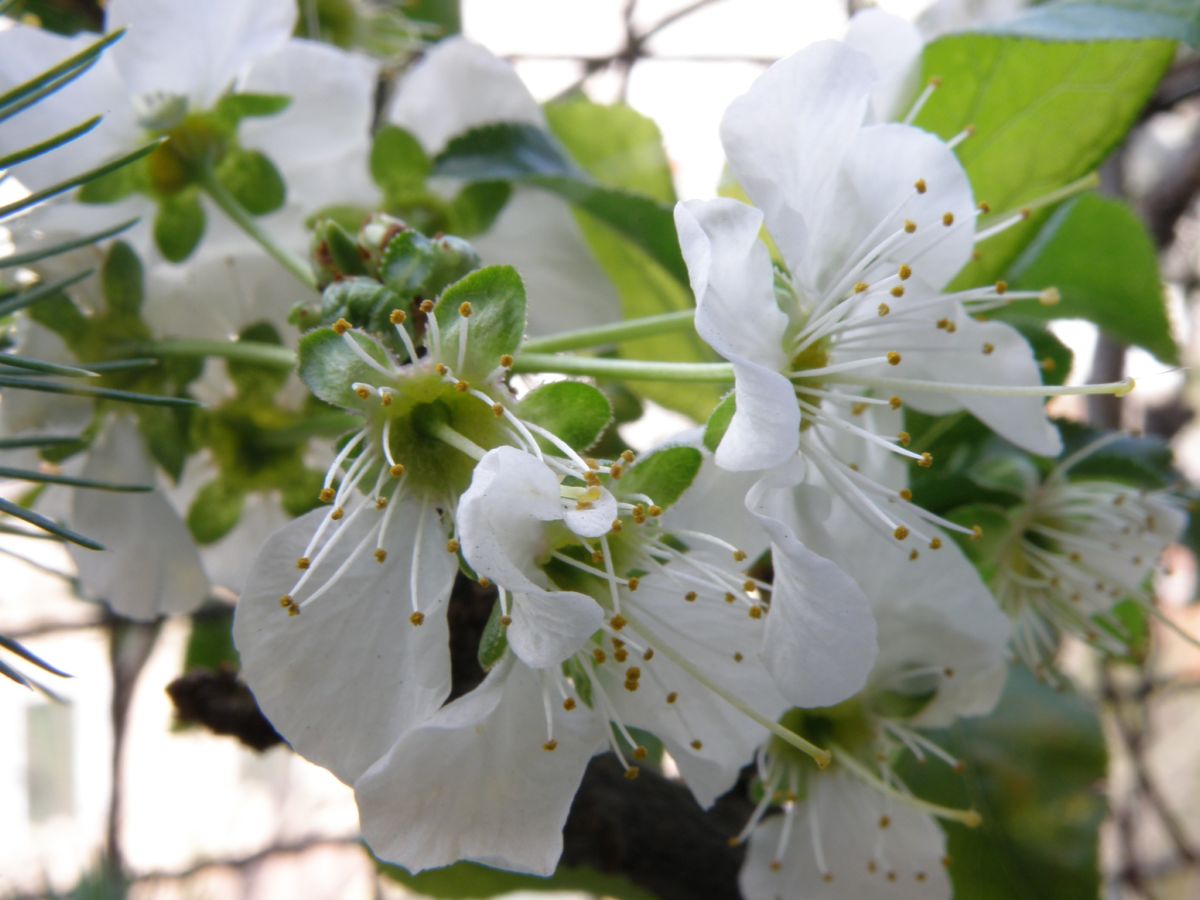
230, 206
631, 369
583, 338
257, 352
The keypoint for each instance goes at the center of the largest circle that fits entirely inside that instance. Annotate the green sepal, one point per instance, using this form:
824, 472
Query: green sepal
366, 304
335, 253
329, 367
574, 411
215, 511
253, 181
494, 642
662, 476
179, 225
399, 165
115, 185
415, 266
496, 323
122, 278
718, 422
232, 108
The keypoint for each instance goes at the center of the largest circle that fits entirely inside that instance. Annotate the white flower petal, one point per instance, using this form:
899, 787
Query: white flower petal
786, 137
894, 47
907, 855
342, 680
550, 626
594, 521
150, 566
475, 783
194, 50
820, 640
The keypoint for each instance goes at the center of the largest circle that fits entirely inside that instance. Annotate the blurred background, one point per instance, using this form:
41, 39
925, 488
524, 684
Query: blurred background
109, 774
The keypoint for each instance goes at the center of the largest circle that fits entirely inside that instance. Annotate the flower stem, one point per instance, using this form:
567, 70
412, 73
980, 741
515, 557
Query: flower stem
631, 369
819, 755
258, 352
235, 211
631, 329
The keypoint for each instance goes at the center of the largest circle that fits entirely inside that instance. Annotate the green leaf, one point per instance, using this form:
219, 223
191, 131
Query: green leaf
399, 165
116, 185
215, 511
166, 434
1141, 461
122, 280
1045, 114
494, 327
477, 206
576, 412
253, 181
234, 107
718, 422
1033, 770
662, 476
329, 367
179, 225
466, 881
1091, 20
1097, 253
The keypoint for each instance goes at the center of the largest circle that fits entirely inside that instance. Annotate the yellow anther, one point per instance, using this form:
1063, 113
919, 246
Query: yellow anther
417, 618
620, 654
441, 368
618, 622
632, 686
337, 513
984, 207
615, 471
1050, 297
627, 456
977, 532
776, 865
861, 287
900, 533
633, 583
464, 310
1048, 364
905, 272
452, 546
426, 306
755, 612
1026, 212
730, 598
895, 402
926, 460
485, 583
326, 495
739, 555
286, 600
381, 502
948, 219
398, 317
697, 745
904, 438
631, 773
506, 361
341, 326
381, 556
633, 673
385, 397
599, 656
462, 387
748, 586
989, 349
550, 745
912, 557
690, 596
897, 291
948, 672
303, 563
591, 463
857, 409
506, 621
737, 657
935, 543
1002, 287
649, 654
569, 704
583, 504
921, 186
655, 510
639, 752
672, 697
362, 392
397, 470
616, 526
893, 358
884, 309
885, 821
906, 495
597, 557
909, 226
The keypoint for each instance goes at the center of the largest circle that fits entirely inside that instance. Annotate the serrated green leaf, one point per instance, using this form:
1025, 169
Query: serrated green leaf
718, 422
179, 225
215, 511
1090, 20
329, 366
1044, 113
1097, 253
253, 181
505, 151
576, 412
399, 165
235, 107
121, 278
477, 206
494, 327
662, 476
1032, 770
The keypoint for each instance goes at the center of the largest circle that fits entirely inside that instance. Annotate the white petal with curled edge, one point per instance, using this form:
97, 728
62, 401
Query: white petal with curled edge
721, 642
194, 50
907, 854
350, 674
456, 87
474, 782
150, 566
785, 138
894, 47
550, 626
502, 517
820, 639
596, 519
